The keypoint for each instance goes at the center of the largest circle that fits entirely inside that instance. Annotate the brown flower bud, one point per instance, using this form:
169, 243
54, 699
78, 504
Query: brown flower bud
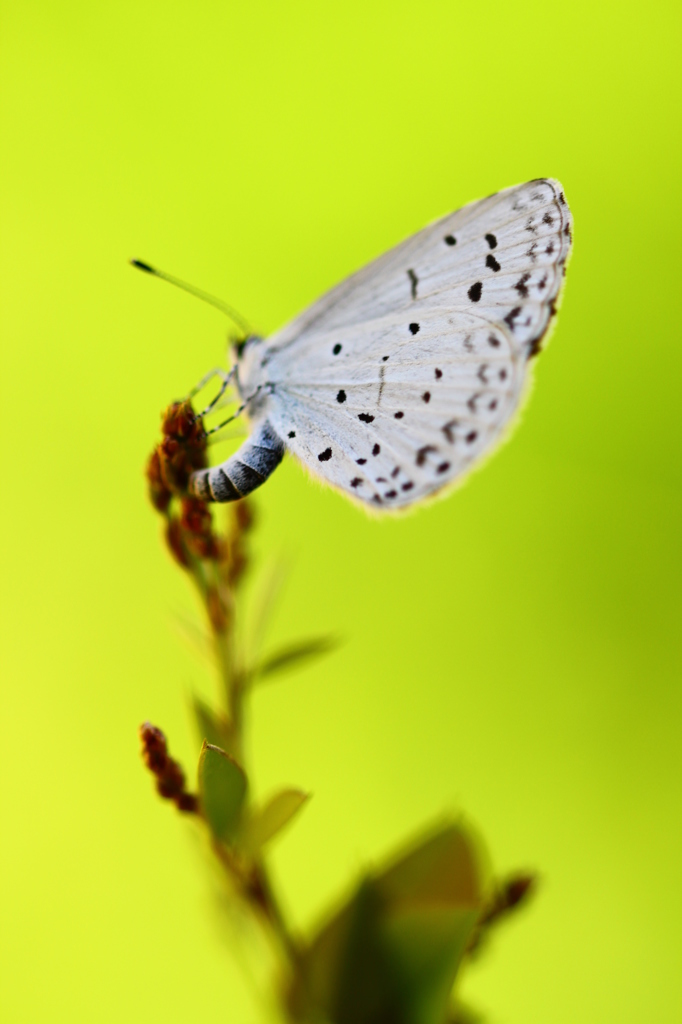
217, 612
170, 778
175, 542
197, 526
159, 494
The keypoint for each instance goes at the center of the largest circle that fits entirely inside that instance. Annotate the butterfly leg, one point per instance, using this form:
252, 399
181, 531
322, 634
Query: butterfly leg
226, 380
235, 415
216, 372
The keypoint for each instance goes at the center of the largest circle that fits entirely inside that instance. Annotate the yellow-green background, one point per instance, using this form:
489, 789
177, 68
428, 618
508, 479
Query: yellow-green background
510, 651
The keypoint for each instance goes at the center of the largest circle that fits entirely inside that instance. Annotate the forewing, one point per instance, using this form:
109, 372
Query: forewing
393, 384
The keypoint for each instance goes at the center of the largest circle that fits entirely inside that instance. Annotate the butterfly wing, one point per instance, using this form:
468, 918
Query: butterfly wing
393, 384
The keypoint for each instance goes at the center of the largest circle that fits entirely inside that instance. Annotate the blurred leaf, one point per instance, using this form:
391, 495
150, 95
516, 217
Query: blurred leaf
461, 1014
266, 822
270, 589
288, 657
427, 945
444, 868
212, 726
390, 956
222, 787
194, 636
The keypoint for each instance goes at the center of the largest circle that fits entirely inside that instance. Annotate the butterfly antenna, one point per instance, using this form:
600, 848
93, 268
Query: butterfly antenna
236, 317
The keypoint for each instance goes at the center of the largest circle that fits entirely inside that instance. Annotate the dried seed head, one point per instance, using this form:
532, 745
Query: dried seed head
170, 778
197, 528
175, 542
182, 450
217, 612
158, 492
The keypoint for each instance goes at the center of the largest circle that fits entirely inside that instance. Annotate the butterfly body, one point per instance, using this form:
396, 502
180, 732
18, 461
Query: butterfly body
396, 382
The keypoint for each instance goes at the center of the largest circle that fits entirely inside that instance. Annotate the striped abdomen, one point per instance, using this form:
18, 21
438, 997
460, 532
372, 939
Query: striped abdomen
244, 471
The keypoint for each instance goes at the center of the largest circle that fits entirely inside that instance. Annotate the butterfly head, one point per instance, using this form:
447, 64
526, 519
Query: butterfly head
248, 356
240, 346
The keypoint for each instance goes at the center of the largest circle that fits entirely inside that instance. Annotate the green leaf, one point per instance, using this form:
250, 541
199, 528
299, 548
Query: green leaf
222, 788
288, 657
393, 951
426, 945
266, 822
445, 867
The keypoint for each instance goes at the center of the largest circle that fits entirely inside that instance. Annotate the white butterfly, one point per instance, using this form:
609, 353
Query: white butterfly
393, 384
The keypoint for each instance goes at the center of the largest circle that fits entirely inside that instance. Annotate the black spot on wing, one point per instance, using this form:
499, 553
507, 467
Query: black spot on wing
475, 291
449, 431
512, 316
408, 486
450, 240
356, 481
438, 373
292, 433
443, 467
341, 396
521, 285
326, 455
414, 328
398, 415
422, 454
492, 241
365, 417
426, 397
414, 281
492, 263
361, 462
376, 449
336, 349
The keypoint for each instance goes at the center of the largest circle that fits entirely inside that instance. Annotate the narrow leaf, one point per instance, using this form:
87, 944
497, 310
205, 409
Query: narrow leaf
266, 822
270, 590
222, 788
288, 657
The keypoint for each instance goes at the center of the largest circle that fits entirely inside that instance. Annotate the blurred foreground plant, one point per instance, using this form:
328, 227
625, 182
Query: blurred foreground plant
391, 954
